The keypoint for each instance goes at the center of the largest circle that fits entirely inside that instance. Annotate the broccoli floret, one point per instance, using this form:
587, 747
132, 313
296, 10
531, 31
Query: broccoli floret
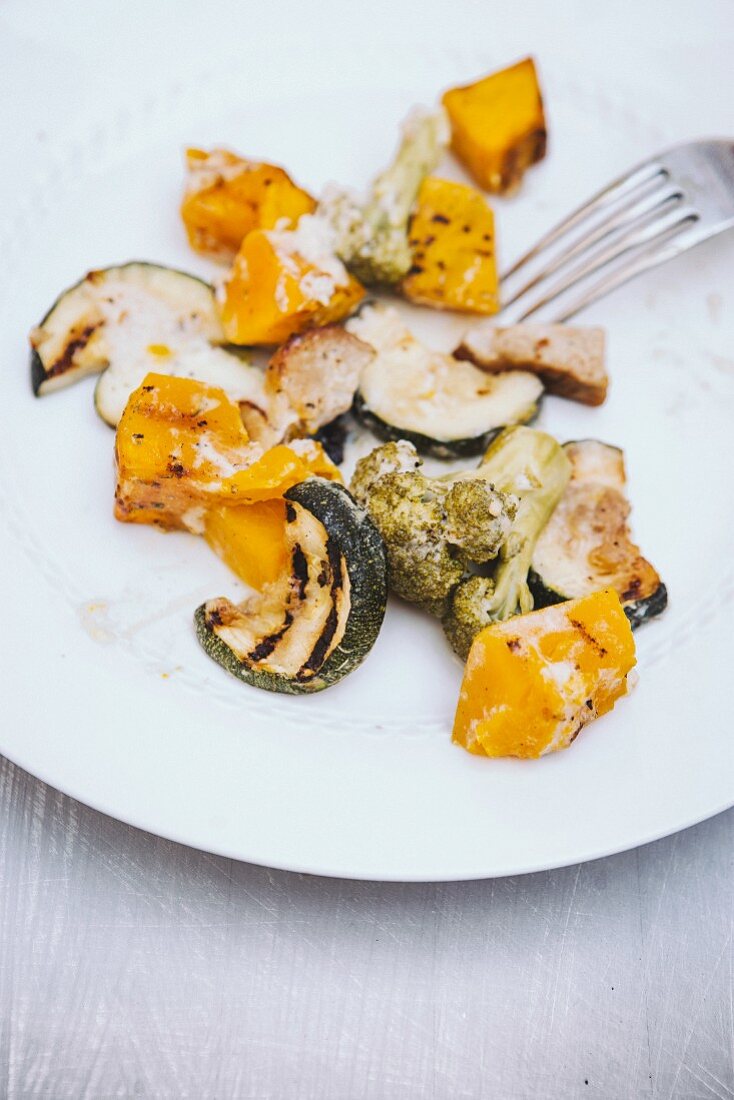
469, 612
422, 567
478, 518
391, 458
478, 601
534, 467
372, 236
432, 527
437, 528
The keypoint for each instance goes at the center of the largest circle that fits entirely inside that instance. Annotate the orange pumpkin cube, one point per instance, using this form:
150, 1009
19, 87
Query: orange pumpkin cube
181, 450
452, 242
227, 197
250, 539
498, 125
533, 682
283, 283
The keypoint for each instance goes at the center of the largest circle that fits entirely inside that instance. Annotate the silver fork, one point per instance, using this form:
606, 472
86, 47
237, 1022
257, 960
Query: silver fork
659, 209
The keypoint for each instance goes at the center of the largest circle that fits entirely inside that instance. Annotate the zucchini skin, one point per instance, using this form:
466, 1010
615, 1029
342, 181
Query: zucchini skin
333, 438
38, 372
37, 369
426, 445
640, 611
363, 550
637, 611
543, 596
220, 652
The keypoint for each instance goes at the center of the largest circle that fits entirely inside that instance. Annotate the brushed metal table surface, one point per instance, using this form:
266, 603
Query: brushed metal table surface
131, 966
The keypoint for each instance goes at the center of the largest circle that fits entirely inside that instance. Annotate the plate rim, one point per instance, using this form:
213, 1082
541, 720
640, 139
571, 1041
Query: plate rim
366, 876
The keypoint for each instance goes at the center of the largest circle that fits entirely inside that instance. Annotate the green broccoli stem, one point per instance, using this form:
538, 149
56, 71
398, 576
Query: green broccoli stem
395, 190
520, 459
533, 466
511, 593
372, 237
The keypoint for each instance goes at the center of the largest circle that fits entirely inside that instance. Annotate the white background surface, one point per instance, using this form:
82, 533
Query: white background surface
133, 967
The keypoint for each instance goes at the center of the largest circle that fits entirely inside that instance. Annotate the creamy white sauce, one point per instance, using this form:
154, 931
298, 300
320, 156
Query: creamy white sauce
314, 241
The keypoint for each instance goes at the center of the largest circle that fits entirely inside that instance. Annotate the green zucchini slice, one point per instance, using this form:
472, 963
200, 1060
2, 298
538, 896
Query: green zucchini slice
124, 321
587, 544
319, 621
444, 406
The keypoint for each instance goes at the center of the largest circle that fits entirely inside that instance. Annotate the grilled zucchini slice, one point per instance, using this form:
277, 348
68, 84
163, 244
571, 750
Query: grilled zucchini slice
444, 406
587, 545
122, 322
319, 620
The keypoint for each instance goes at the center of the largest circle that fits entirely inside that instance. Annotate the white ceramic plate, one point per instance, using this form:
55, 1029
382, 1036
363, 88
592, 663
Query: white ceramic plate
106, 692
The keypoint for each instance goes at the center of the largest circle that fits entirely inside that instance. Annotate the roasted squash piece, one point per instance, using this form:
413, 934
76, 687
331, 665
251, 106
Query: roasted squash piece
452, 241
227, 197
284, 283
181, 449
498, 125
250, 539
532, 683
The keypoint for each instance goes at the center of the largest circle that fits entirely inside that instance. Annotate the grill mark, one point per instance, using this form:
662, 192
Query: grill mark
299, 584
266, 645
321, 648
632, 591
318, 653
588, 637
335, 561
66, 361
299, 564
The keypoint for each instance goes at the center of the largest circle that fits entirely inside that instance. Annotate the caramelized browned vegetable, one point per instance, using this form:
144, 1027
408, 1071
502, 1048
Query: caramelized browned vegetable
452, 240
498, 125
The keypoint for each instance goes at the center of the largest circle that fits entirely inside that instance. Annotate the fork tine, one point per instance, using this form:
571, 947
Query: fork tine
651, 257
631, 214
657, 231
644, 173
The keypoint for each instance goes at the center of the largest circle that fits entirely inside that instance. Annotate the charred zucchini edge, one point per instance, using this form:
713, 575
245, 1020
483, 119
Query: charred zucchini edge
362, 547
637, 611
39, 374
437, 448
